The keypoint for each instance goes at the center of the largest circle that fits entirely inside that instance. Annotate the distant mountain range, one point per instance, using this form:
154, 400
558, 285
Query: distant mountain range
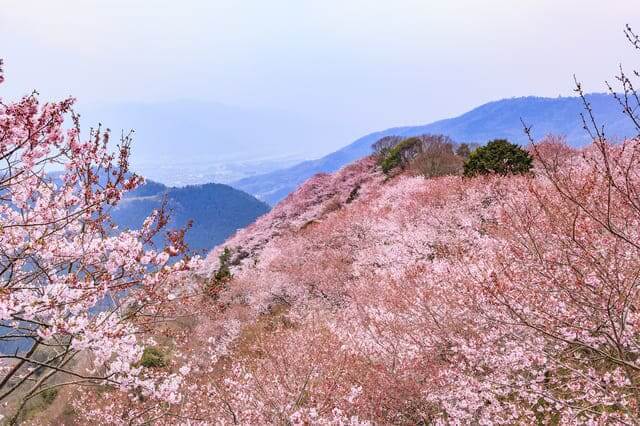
500, 119
217, 210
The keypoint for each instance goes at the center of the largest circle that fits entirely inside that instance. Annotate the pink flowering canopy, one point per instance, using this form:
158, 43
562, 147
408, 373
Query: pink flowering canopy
447, 300
360, 299
74, 290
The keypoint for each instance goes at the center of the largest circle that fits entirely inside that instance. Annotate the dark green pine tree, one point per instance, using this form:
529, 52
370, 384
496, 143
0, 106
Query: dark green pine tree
498, 156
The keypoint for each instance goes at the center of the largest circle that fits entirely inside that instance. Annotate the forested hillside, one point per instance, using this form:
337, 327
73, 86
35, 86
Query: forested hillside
216, 211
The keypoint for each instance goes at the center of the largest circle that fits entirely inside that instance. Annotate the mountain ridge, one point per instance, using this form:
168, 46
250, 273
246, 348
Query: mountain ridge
216, 210
496, 119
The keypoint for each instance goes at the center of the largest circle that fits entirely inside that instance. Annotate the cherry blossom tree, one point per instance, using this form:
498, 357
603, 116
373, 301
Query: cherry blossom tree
76, 293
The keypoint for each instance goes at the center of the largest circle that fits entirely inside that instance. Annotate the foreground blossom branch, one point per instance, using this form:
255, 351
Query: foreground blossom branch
76, 293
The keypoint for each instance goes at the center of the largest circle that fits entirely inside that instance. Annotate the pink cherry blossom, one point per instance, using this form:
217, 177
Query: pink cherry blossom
72, 286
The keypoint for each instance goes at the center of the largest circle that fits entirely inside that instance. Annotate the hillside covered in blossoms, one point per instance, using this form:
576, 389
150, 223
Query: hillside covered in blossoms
428, 281
372, 299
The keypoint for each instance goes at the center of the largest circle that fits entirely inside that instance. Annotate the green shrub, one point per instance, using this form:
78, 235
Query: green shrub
395, 156
153, 357
49, 395
224, 273
498, 156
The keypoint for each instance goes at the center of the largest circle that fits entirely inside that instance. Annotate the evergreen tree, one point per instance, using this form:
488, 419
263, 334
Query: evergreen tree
498, 156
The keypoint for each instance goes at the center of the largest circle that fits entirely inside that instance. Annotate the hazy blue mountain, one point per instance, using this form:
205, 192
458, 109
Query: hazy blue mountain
217, 210
500, 119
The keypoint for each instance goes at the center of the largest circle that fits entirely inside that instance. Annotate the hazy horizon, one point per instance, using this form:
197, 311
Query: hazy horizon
317, 74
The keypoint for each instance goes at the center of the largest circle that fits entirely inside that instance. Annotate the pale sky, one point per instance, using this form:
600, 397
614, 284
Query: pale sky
362, 65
